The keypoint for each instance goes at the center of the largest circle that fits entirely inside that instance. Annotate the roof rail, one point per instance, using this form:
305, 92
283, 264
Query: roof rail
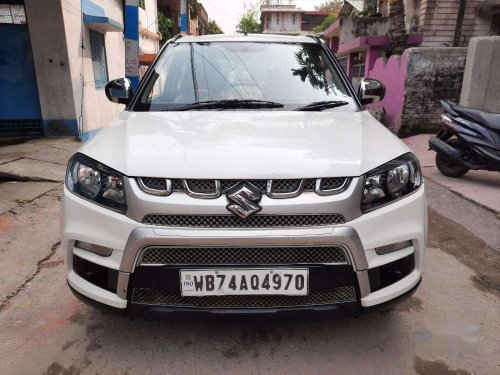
315, 37
175, 37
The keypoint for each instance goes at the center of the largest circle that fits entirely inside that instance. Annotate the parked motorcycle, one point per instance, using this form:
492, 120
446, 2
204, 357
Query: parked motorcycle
469, 139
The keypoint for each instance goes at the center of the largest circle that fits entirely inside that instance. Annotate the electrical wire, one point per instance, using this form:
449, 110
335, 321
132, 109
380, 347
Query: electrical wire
81, 117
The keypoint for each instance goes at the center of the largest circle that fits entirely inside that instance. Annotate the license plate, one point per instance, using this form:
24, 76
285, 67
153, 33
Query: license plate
223, 282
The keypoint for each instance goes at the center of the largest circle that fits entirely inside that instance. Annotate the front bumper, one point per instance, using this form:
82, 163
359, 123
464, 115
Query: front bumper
401, 221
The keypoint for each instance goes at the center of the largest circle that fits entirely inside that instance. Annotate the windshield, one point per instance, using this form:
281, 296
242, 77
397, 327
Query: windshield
294, 75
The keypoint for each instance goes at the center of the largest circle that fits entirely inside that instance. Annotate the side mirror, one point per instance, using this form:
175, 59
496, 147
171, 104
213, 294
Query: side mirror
119, 90
370, 91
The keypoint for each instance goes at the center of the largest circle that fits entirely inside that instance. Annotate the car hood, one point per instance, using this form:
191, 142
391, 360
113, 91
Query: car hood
244, 144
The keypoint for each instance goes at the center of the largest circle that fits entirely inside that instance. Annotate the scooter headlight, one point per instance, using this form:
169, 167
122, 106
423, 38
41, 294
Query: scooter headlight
96, 182
390, 182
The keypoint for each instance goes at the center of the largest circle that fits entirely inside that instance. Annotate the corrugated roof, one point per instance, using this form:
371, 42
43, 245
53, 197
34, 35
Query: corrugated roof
358, 4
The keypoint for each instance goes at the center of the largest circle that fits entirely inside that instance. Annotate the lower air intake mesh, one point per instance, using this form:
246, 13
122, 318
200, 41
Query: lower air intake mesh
322, 297
230, 221
157, 255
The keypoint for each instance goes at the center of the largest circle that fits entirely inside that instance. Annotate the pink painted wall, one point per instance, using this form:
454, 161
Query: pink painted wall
392, 73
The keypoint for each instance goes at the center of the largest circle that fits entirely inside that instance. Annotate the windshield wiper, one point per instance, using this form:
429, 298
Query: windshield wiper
229, 103
319, 106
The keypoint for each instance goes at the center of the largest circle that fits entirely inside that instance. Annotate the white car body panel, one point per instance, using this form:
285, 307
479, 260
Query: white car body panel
244, 144
404, 219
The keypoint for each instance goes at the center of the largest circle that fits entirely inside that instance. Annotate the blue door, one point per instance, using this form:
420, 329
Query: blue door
19, 104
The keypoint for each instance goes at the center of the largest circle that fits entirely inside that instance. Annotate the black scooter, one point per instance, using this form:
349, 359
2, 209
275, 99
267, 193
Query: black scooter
469, 139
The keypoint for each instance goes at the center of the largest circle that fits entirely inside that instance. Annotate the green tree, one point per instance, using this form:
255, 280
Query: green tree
213, 28
330, 6
164, 28
370, 7
249, 22
331, 18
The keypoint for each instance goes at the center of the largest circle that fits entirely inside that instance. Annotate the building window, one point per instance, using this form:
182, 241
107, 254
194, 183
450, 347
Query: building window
358, 64
495, 25
277, 19
13, 14
293, 19
98, 52
343, 62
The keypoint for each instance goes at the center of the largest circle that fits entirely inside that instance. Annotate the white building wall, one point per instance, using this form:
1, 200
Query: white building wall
52, 66
148, 21
96, 110
69, 99
283, 22
289, 25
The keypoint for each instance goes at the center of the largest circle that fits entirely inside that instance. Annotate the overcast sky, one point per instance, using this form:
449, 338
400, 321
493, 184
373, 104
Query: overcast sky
227, 12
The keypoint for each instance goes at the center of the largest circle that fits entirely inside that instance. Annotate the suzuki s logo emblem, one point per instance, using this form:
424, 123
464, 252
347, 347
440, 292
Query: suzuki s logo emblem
244, 200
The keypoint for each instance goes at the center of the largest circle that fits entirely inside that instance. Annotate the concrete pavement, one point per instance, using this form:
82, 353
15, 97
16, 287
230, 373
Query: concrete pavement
481, 187
32, 174
450, 326
38, 159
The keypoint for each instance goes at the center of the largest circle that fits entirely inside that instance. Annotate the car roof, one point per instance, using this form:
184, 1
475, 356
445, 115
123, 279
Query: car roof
270, 38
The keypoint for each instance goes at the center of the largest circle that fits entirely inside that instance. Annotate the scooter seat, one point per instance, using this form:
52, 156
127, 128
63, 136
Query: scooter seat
489, 119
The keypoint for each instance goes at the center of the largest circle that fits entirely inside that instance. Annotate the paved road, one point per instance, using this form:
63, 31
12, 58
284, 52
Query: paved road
450, 326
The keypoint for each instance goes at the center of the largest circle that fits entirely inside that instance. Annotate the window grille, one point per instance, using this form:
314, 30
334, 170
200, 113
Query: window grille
98, 52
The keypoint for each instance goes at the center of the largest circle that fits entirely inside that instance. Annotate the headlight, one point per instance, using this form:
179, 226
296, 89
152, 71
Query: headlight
95, 182
391, 181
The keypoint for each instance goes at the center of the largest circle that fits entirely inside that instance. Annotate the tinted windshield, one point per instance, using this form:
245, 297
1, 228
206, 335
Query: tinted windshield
292, 74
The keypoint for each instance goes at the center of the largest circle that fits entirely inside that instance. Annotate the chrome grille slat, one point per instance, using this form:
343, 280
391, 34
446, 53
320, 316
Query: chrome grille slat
157, 255
279, 185
201, 186
258, 184
155, 183
231, 221
322, 297
331, 183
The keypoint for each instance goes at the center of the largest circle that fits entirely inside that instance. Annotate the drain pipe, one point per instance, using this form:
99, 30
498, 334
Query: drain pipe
131, 20
459, 24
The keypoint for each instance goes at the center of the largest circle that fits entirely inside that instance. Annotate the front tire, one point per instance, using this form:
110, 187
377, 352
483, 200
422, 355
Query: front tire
448, 167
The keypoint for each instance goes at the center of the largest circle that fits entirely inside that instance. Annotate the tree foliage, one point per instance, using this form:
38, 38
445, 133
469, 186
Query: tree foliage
370, 7
213, 28
331, 18
164, 28
312, 68
249, 22
330, 6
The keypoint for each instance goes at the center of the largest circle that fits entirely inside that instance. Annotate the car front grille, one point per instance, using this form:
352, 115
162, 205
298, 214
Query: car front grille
322, 297
155, 183
285, 186
157, 255
202, 186
230, 221
258, 184
279, 186
331, 183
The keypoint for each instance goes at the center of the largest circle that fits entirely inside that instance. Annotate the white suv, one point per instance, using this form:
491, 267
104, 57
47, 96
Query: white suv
244, 176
